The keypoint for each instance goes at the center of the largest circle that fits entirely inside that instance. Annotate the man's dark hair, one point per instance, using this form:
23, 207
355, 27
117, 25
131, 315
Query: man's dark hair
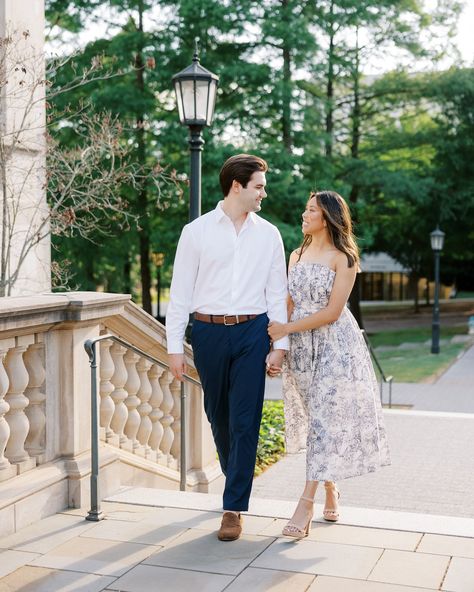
240, 168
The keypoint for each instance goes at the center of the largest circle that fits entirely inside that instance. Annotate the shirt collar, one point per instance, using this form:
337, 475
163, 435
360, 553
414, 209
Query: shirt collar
220, 214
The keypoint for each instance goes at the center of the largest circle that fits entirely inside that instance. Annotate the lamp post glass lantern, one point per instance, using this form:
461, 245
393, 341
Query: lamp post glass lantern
437, 243
196, 90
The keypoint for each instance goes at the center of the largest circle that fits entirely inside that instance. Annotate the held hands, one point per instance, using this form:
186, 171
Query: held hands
277, 330
274, 362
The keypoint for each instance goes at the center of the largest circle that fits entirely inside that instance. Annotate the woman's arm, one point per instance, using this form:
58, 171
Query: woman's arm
343, 284
289, 301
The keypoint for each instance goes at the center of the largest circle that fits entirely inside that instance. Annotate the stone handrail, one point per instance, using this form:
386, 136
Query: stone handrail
45, 404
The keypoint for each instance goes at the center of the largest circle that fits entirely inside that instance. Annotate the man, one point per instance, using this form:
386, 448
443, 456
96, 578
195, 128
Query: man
230, 272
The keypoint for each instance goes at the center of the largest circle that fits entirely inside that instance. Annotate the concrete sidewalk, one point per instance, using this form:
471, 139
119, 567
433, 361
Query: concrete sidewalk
452, 392
432, 469
432, 448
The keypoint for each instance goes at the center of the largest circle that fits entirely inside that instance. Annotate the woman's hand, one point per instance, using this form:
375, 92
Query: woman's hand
277, 330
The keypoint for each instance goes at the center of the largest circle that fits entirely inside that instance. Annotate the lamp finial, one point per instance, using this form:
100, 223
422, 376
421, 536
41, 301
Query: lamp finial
196, 50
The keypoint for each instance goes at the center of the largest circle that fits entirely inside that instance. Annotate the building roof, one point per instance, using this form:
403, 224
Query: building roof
381, 262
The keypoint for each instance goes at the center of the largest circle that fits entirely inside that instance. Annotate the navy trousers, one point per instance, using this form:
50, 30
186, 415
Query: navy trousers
231, 364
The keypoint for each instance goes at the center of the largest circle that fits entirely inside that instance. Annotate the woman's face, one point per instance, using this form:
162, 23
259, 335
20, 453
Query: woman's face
313, 219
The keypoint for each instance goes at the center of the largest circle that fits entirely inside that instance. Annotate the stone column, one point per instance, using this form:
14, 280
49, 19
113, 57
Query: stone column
26, 260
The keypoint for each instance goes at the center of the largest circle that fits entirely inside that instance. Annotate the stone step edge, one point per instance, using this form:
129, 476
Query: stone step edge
350, 516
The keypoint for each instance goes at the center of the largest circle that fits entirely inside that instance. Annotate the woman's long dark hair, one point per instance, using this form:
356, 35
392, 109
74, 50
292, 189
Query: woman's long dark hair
339, 224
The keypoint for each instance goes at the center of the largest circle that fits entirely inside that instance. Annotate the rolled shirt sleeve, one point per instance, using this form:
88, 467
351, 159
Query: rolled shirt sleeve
276, 290
185, 269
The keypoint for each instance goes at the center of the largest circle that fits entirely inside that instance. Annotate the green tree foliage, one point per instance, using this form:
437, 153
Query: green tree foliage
292, 89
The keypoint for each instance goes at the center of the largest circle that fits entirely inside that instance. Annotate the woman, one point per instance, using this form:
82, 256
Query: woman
329, 385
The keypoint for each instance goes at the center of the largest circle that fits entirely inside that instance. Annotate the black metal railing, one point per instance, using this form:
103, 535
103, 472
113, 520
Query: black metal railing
95, 513
383, 378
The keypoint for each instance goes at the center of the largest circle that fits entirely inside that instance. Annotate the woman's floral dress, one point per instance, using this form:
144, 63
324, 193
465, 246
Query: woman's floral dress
331, 395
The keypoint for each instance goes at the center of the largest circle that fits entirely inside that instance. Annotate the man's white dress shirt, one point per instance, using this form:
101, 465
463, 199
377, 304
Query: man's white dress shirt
217, 271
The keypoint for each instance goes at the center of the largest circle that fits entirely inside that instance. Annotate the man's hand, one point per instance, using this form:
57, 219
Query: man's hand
274, 362
177, 365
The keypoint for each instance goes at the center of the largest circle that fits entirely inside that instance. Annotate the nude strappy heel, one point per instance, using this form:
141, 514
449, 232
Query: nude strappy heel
296, 532
331, 514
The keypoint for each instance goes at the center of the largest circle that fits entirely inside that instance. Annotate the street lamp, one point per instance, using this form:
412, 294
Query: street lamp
195, 89
437, 242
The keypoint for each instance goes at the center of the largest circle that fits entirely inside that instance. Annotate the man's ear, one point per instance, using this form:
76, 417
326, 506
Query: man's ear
236, 186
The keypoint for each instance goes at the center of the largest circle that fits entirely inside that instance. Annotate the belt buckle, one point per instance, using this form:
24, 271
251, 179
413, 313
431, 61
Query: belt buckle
231, 324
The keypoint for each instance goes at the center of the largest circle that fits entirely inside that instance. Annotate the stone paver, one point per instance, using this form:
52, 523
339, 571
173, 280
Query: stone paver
410, 569
460, 576
260, 580
335, 558
330, 584
11, 560
202, 551
41, 579
447, 545
95, 556
347, 561
42, 536
150, 578
366, 537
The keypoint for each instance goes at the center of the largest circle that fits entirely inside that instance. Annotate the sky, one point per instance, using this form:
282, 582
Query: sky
464, 41
465, 36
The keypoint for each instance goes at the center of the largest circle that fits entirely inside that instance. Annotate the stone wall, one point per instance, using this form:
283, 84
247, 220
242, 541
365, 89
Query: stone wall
22, 134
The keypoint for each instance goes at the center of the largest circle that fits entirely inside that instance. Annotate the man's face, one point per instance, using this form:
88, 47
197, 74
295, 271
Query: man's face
252, 195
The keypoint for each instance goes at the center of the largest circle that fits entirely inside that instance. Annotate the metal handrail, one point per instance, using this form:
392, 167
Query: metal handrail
387, 379
95, 513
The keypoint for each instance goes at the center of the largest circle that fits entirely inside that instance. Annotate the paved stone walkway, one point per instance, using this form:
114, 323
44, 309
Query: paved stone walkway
167, 542
432, 469
432, 447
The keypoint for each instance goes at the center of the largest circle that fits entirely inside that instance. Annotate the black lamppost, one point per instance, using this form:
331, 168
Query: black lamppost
195, 89
437, 242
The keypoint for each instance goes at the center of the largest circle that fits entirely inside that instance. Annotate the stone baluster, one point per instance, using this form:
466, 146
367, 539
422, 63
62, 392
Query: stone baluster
6, 470
167, 419
175, 388
119, 377
16, 416
107, 405
132, 401
144, 409
156, 413
35, 442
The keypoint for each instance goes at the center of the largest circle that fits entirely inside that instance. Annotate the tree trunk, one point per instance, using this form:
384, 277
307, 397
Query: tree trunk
286, 91
354, 299
415, 293
330, 90
3, 263
144, 240
354, 302
354, 194
127, 283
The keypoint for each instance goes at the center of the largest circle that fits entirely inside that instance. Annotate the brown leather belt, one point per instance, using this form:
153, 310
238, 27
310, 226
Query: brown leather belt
224, 319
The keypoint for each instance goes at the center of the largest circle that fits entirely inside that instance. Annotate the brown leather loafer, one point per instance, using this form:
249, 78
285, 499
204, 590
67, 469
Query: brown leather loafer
231, 527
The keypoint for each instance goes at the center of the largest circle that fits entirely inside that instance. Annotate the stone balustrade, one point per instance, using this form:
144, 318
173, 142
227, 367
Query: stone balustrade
45, 392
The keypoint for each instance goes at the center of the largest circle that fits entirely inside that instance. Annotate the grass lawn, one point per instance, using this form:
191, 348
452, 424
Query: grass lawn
416, 364
415, 335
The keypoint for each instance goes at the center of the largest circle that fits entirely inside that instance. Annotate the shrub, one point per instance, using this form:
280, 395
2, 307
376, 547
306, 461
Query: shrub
271, 442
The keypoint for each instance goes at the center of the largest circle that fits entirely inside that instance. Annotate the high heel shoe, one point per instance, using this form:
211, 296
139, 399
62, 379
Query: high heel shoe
331, 514
295, 531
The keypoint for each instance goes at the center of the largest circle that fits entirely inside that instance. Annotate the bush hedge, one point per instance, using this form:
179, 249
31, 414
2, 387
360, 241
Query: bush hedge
271, 442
